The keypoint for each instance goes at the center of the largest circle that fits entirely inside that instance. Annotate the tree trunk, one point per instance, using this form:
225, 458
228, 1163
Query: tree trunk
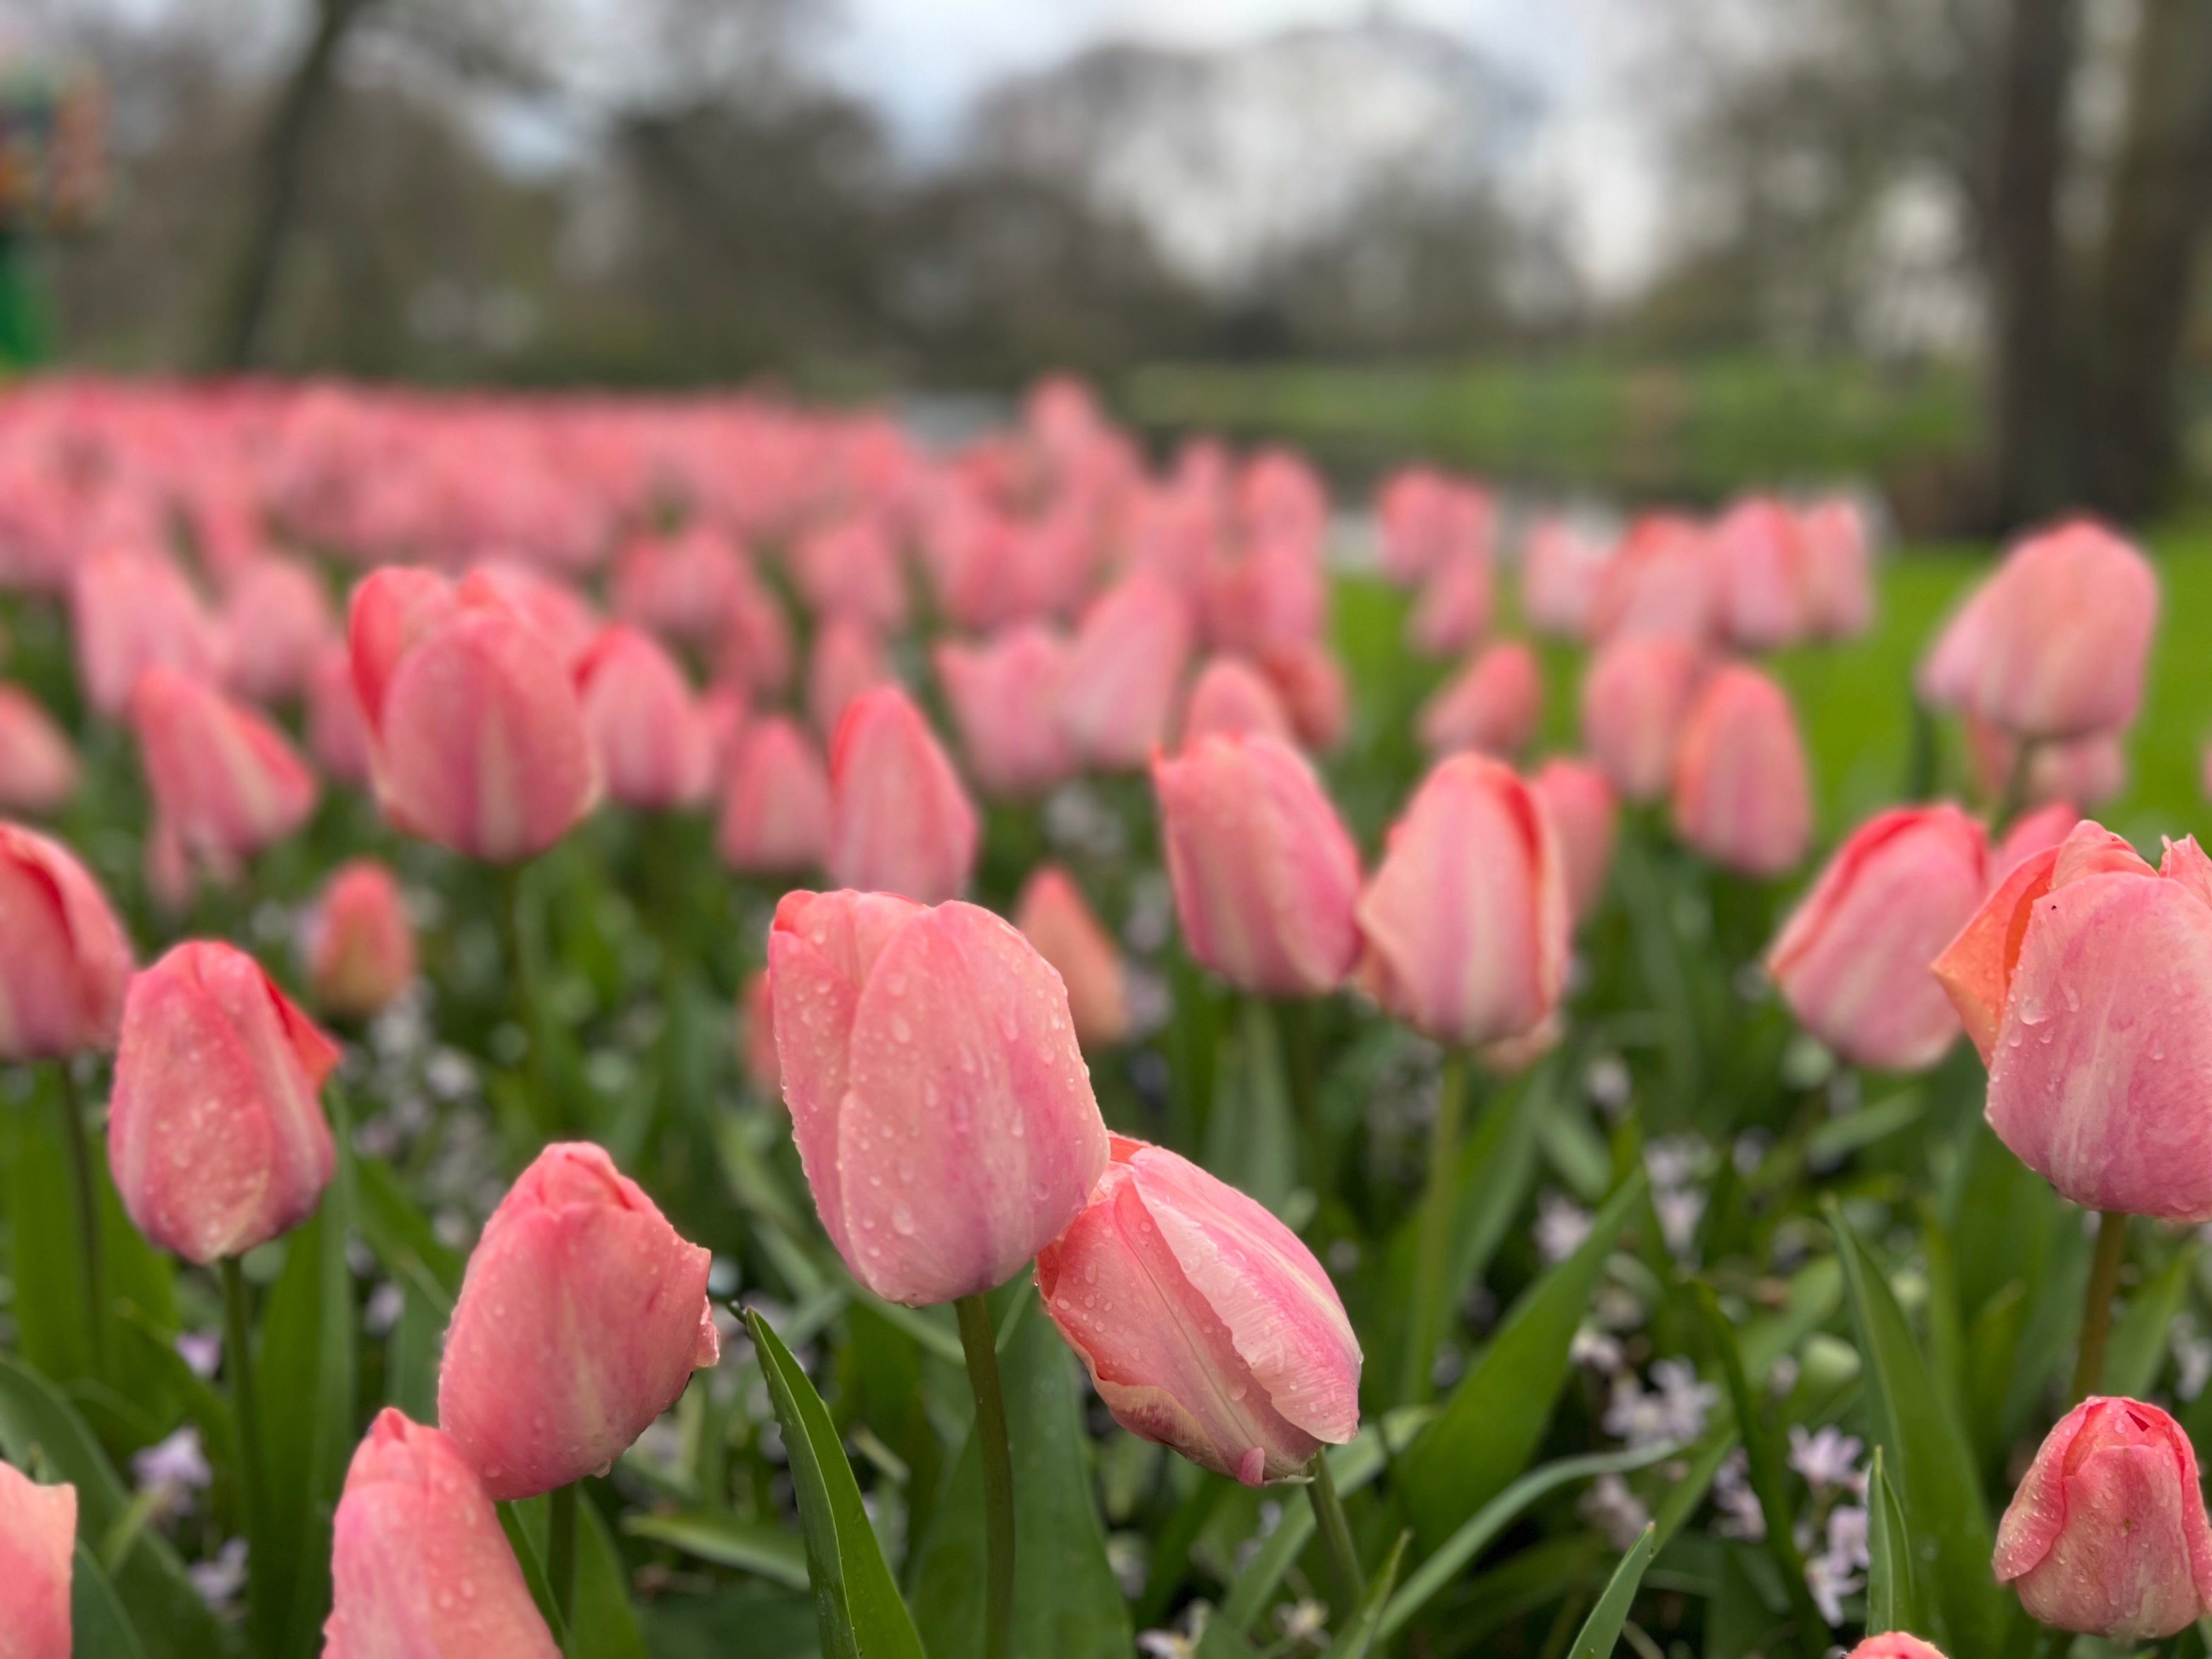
2031, 473
2160, 200
274, 191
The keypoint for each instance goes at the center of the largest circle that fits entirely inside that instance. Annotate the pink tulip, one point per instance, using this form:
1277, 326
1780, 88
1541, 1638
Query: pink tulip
2106, 1534
2064, 635
1453, 611
338, 732
680, 587
561, 616
1309, 681
1232, 699
1661, 580
1207, 1324
1852, 960
419, 1568
1004, 698
131, 611
775, 807
846, 660
1427, 519
1493, 706
1584, 812
1945, 675
1467, 922
360, 947
224, 780
2086, 981
850, 568
2086, 770
899, 821
581, 1318
1265, 876
38, 763
476, 737
1838, 574
1561, 571
757, 1036
64, 962
1123, 673
1273, 593
276, 621
1637, 697
1052, 916
1762, 575
644, 724
1894, 1645
936, 1093
753, 647
37, 1547
215, 1131
1740, 793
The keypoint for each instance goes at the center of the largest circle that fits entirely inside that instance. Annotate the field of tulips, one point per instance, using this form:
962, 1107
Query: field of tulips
680, 1028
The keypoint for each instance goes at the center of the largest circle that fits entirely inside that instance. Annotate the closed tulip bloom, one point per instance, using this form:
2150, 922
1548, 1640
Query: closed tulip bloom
1741, 797
360, 947
476, 737
419, 1567
1493, 706
1852, 960
680, 586
1895, 1644
37, 1547
1636, 696
1265, 873
2086, 981
775, 807
581, 1316
1424, 518
899, 821
2066, 634
845, 661
1584, 812
1663, 579
276, 621
1453, 611
216, 1130
129, 612
638, 709
64, 963
1123, 672
936, 1092
1309, 680
1762, 579
1054, 917
561, 616
338, 732
1838, 570
1560, 572
1232, 699
38, 763
2106, 1534
1004, 698
225, 780
1206, 1323
753, 646
851, 568
1467, 922
758, 1038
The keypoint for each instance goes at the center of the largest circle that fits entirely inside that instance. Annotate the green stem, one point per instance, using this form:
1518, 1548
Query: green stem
998, 1476
1923, 758
561, 1550
1433, 1246
2097, 1306
522, 983
78, 1148
1335, 1534
238, 1361
2015, 788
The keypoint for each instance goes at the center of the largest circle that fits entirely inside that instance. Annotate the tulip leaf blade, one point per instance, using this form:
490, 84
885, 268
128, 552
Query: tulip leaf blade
1358, 1637
1891, 1604
100, 1628
1494, 1419
1601, 1632
767, 1551
1927, 1458
1067, 1603
2138, 1342
605, 1623
856, 1602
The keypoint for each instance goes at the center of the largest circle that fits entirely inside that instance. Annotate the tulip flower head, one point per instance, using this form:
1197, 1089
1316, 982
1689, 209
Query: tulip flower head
1231, 699
2062, 637
1123, 671
64, 962
38, 763
775, 807
1052, 916
1894, 1645
1741, 796
1493, 706
38, 1545
1584, 812
1004, 698
899, 821
1637, 697
224, 782
645, 726
360, 947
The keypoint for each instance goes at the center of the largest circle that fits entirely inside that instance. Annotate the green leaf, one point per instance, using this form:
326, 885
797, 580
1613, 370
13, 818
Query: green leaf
856, 1604
524, 1522
1067, 1603
749, 1545
1601, 1632
1360, 1635
1252, 1139
35, 1422
48, 1305
1890, 1602
605, 1624
100, 1629
402, 1237
1929, 1457
2138, 1343
1495, 1418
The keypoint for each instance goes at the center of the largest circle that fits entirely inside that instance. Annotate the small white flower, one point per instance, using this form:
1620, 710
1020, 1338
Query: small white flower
1679, 1211
1830, 1583
1674, 1160
202, 1350
1828, 1460
172, 1470
219, 1581
1561, 1226
1847, 1536
1615, 1510
1304, 1622
1684, 1400
1740, 1515
1599, 1350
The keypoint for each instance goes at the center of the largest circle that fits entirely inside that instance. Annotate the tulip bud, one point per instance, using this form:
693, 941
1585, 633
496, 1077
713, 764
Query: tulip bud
418, 1563
38, 1549
1492, 707
38, 763
899, 821
1637, 695
2106, 1534
1004, 698
361, 947
2086, 981
1740, 793
1761, 576
1123, 670
850, 568
475, 738
679, 588
1274, 592
643, 723
1425, 519
1467, 922
130, 610
1894, 1645
1309, 680
2064, 635
1205, 1322
1052, 916
276, 621
1838, 577
64, 963
938, 1095
758, 1038
776, 810
1852, 960
581, 1318
1453, 611
563, 618
1580, 805
224, 780
1663, 579
216, 1133
337, 733
1265, 873
1561, 573
845, 661
1233, 700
